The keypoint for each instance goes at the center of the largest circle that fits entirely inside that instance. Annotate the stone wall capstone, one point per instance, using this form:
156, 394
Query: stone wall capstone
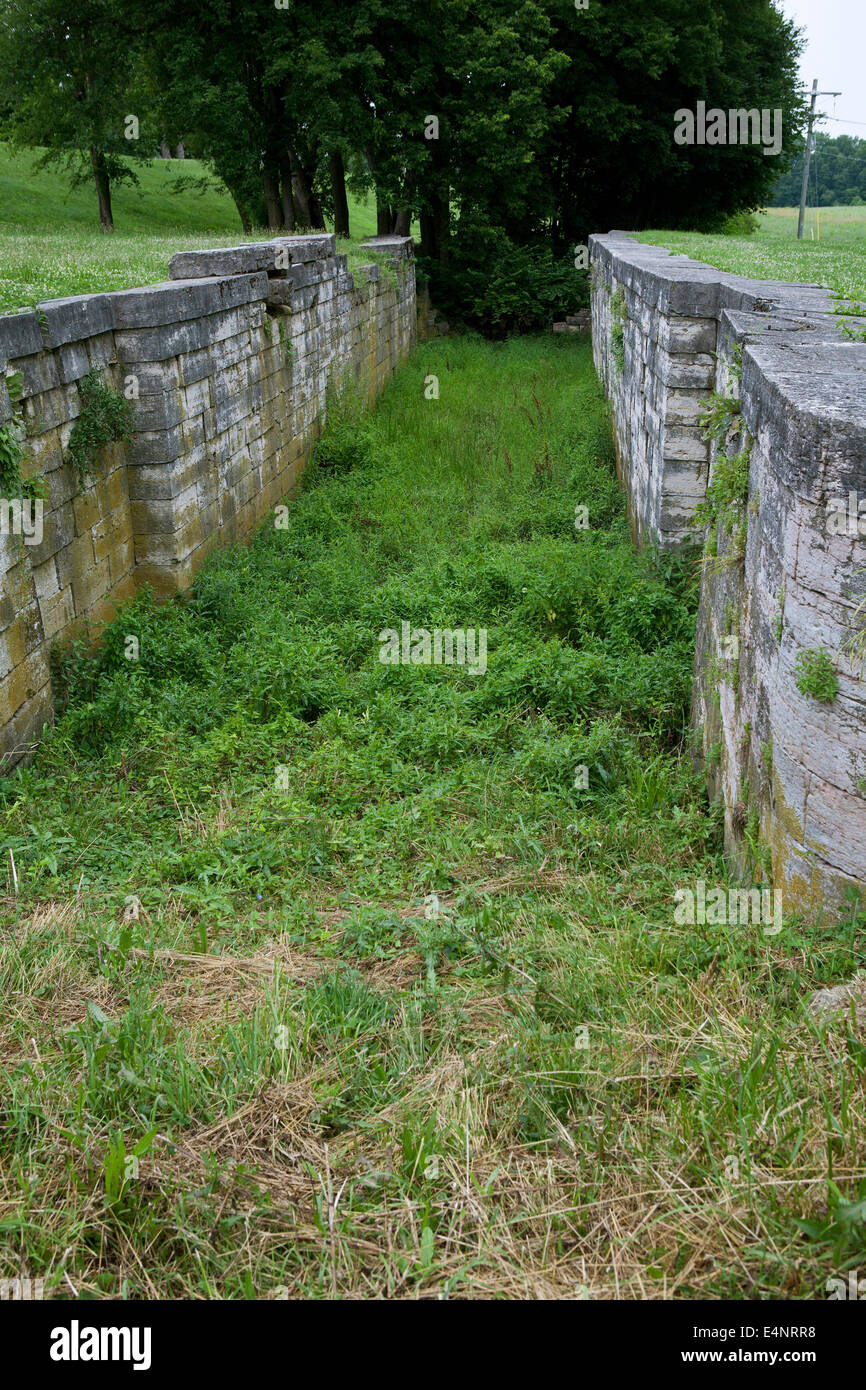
228, 365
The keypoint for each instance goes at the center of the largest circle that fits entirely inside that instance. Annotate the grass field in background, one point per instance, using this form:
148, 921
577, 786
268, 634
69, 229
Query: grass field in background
51, 245
400, 1010
837, 260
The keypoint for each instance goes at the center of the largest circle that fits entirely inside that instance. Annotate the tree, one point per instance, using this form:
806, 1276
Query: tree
837, 175
614, 162
70, 74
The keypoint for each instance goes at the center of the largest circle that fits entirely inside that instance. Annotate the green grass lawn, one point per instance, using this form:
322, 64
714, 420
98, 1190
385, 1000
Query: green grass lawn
836, 259
51, 245
339, 978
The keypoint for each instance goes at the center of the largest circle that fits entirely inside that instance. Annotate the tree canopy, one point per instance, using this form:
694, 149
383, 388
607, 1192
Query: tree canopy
510, 128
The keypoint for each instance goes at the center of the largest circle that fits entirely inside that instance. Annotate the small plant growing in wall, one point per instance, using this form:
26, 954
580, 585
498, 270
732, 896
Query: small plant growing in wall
619, 314
717, 416
106, 418
855, 643
815, 675
12, 436
11, 453
849, 309
727, 498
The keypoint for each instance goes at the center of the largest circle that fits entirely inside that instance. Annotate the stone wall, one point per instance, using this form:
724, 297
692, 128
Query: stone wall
228, 365
780, 574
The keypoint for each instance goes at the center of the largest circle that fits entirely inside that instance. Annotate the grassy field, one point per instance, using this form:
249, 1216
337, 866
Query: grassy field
331, 978
837, 259
51, 245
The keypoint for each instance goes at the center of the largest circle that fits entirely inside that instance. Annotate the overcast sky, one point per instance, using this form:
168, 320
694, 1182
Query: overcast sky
835, 53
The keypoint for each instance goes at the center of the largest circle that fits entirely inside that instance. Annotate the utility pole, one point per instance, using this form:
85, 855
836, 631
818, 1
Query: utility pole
807, 155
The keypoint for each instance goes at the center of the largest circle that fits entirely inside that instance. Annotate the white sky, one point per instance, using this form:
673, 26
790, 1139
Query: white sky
835, 53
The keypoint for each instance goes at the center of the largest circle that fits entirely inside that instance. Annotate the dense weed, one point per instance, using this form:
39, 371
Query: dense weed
292, 923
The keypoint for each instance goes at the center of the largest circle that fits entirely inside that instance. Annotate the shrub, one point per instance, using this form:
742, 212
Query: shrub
106, 418
815, 675
498, 287
345, 442
739, 224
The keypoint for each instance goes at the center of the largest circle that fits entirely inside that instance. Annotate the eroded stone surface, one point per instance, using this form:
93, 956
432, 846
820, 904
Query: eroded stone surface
794, 766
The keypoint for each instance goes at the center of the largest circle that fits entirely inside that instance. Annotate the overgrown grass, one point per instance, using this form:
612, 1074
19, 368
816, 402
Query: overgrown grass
836, 260
325, 977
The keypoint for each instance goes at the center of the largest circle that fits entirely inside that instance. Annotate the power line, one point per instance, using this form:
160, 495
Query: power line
807, 154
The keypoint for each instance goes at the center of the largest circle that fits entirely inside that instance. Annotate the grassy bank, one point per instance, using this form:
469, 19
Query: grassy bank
837, 259
51, 245
339, 978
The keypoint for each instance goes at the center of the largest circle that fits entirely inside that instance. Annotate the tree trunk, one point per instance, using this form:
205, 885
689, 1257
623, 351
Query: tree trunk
300, 190
318, 217
428, 234
435, 228
180, 152
103, 189
243, 214
286, 197
403, 215
384, 215
271, 189
341, 202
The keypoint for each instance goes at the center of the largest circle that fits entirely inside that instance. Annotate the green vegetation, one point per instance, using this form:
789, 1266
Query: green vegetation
837, 173
47, 252
493, 285
815, 674
726, 500
293, 106
11, 454
106, 417
719, 415
618, 316
773, 252
331, 977
168, 199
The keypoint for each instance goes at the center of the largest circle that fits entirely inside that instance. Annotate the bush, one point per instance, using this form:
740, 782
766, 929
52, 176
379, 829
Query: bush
815, 675
105, 418
498, 287
345, 442
740, 224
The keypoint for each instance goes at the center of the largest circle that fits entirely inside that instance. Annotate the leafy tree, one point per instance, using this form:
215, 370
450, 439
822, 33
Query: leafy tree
614, 162
69, 72
837, 174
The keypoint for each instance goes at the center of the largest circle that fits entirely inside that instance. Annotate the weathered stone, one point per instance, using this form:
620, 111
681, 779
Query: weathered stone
781, 581
20, 335
79, 317
846, 1000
